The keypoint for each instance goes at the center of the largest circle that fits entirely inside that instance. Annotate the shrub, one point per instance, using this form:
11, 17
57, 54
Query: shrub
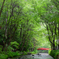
49, 51
7, 54
12, 54
15, 44
24, 52
54, 53
34, 52
10, 48
3, 56
1, 48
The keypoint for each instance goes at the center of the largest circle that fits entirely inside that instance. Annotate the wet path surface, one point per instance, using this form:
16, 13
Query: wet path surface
35, 56
41, 56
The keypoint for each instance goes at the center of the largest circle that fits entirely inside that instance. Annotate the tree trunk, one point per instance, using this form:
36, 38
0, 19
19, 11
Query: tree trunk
2, 7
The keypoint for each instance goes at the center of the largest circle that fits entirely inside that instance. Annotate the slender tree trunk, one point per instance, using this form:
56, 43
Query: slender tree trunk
58, 34
58, 30
54, 42
55, 29
2, 7
49, 37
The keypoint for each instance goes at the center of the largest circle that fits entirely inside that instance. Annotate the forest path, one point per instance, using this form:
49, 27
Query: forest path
41, 56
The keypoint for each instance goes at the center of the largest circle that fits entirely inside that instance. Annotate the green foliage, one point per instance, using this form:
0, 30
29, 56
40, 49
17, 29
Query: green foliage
54, 53
12, 54
49, 51
1, 48
24, 53
34, 52
3, 56
10, 48
14, 44
22, 28
7, 54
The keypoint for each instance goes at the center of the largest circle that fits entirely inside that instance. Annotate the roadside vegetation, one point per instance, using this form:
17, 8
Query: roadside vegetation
27, 25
